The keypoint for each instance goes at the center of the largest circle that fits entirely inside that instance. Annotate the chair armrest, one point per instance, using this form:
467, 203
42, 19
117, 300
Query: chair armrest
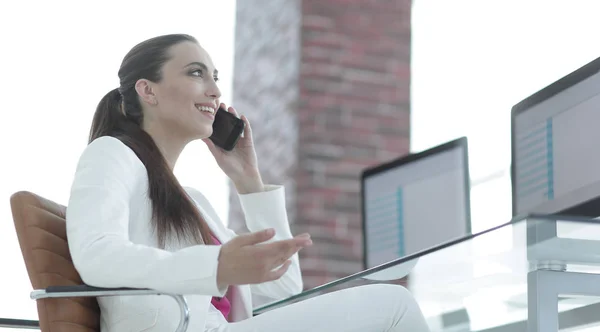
91, 291
88, 291
19, 323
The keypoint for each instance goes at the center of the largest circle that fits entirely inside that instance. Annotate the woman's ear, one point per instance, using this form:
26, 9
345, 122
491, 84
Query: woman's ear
145, 90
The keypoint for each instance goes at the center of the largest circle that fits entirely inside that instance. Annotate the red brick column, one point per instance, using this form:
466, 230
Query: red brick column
351, 110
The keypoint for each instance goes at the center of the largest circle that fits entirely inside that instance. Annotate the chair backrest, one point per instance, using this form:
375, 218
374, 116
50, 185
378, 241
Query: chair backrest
41, 230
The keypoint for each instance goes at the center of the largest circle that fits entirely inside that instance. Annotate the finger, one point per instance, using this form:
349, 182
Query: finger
299, 245
279, 272
247, 129
254, 238
302, 236
294, 250
232, 110
283, 246
302, 240
288, 255
223, 106
278, 252
276, 248
211, 146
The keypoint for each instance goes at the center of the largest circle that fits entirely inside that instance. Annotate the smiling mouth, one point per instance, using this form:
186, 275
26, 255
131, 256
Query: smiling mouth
207, 109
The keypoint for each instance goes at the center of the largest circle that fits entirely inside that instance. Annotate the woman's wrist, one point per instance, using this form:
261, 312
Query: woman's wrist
249, 185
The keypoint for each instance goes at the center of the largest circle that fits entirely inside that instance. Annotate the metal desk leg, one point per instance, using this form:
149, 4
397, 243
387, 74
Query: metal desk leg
542, 303
543, 288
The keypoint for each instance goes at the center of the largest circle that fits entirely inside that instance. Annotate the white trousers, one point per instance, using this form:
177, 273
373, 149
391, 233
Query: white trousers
372, 308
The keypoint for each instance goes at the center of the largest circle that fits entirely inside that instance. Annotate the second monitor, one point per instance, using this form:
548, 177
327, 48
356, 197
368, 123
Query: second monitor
555, 154
415, 202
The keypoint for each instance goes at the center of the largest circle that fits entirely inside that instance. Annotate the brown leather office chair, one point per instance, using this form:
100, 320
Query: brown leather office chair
64, 303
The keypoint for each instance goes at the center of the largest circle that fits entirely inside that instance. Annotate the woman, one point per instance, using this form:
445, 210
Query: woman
131, 224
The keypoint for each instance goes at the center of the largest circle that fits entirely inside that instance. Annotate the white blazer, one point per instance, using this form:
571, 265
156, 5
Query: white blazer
112, 244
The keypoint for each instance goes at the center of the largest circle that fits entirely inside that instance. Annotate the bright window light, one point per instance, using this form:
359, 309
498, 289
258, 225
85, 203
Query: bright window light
472, 61
59, 59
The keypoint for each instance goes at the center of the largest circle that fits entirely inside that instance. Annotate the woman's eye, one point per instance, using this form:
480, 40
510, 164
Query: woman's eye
198, 73
216, 79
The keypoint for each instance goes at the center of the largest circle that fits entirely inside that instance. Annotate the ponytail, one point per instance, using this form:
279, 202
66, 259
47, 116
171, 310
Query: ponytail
109, 116
120, 115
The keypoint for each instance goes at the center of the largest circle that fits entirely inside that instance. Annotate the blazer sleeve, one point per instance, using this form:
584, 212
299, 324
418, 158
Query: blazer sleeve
265, 210
97, 230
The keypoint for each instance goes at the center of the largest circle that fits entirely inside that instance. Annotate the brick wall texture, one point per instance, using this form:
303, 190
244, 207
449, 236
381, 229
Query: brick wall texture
265, 89
326, 84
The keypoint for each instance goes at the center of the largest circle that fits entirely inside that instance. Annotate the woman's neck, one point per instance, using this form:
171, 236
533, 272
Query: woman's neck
169, 144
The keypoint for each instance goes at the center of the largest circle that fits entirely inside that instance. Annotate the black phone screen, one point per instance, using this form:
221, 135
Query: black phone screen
227, 129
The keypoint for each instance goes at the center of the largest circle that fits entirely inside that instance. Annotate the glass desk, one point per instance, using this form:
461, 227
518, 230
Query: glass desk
535, 273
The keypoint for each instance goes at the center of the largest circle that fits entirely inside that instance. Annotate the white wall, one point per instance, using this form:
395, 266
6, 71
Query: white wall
58, 59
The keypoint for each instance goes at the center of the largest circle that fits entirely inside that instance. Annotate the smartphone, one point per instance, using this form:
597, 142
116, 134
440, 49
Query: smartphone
227, 129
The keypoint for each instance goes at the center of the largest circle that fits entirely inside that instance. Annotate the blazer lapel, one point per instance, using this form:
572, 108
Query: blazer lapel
240, 296
217, 228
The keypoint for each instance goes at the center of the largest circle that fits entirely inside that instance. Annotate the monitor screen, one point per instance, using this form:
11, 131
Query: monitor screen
556, 147
416, 202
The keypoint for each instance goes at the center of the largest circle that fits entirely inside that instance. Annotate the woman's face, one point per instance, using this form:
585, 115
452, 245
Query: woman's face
184, 102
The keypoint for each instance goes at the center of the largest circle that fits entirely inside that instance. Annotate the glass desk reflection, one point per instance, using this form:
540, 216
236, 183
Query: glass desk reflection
538, 273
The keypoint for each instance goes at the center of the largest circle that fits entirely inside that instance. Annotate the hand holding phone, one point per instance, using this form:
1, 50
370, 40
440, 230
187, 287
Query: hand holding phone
227, 129
240, 165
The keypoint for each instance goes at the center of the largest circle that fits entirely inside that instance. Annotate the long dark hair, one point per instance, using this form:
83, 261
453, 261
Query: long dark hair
119, 114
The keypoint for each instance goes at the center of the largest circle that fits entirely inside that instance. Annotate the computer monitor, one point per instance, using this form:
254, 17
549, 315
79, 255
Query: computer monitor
556, 147
415, 202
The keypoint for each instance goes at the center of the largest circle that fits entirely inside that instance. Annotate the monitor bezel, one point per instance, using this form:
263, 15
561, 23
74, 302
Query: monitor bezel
461, 142
590, 208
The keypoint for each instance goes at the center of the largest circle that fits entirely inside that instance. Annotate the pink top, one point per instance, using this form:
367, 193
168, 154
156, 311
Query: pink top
221, 303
